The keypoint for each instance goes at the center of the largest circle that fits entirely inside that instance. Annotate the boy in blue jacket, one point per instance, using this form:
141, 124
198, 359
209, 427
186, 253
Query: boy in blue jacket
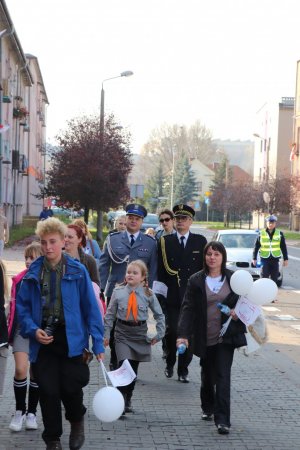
57, 310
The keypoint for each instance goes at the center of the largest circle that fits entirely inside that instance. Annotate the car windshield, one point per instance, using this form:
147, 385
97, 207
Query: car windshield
152, 219
238, 240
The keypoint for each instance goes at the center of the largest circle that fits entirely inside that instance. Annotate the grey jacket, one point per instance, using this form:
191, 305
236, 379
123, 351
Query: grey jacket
117, 309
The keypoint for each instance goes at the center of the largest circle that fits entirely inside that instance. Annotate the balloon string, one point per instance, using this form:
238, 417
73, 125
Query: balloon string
103, 372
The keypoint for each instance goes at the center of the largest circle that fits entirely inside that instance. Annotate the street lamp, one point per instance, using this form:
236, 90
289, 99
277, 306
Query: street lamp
126, 73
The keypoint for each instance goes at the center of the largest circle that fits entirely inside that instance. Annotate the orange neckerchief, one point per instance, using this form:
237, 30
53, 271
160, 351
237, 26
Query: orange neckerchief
132, 305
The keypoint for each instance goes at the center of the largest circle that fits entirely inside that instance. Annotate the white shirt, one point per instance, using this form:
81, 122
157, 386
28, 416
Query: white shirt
135, 235
179, 236
215, 283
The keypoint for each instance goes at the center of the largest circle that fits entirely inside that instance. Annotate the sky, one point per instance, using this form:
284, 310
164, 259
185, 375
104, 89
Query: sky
217, 61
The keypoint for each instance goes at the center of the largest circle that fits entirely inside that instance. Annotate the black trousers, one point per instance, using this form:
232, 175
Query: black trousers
60, 379
128, 390
270, 268
215, 382
170, 343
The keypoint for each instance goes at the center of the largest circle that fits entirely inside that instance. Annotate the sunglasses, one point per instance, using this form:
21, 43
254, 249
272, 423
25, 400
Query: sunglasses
167, 219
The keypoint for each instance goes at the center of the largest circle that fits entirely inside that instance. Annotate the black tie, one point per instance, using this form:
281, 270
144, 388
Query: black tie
132, 240
182, 242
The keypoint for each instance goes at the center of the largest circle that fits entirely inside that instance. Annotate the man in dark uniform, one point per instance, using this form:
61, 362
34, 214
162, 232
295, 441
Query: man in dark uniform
123, 247
180, 255
271, 247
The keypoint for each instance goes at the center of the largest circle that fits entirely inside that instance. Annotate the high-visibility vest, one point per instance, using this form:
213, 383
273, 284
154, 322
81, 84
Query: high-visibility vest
270, 247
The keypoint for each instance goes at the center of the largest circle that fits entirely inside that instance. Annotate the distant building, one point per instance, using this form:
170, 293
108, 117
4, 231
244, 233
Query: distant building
294, 154
272, 138
239, 153
204, 176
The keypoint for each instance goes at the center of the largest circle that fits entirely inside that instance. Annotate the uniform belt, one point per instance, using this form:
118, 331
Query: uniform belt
131, 323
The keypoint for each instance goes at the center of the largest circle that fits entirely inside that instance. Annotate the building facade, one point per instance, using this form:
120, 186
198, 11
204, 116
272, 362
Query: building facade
294, 155
23, 103
272, 137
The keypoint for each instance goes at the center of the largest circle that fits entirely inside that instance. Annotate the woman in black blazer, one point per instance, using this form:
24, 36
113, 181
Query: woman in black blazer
199, 326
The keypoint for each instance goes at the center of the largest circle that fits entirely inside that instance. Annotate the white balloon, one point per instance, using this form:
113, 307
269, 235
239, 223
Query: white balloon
263, 291
108, 404
241, 282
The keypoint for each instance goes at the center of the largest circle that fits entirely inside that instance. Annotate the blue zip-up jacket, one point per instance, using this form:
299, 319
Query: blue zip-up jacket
81, 312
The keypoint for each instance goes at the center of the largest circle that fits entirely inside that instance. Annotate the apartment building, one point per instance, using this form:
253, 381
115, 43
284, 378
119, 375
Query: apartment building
272, 138
294, 154
23, 102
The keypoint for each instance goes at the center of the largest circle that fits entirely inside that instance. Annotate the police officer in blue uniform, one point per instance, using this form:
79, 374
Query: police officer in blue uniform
123, 247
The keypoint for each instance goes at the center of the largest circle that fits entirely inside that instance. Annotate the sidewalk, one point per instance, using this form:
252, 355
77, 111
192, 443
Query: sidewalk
265, 406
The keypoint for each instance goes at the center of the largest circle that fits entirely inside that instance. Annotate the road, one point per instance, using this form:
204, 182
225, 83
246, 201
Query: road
283, 317
291, 274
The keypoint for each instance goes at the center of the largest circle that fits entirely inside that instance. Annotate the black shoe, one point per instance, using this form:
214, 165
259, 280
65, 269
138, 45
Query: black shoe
183, 378
207, 417
76, 439
53, 445
223, 429
128, 406
169, 372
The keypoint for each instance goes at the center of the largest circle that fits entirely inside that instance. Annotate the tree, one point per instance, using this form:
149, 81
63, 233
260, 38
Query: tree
156, 187
184, 182
194, 142
82, 175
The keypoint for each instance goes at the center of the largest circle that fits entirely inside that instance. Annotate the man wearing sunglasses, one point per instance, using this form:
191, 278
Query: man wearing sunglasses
180, 255
166, 220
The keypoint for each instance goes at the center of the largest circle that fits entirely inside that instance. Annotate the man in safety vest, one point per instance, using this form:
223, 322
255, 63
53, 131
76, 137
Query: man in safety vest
271, 246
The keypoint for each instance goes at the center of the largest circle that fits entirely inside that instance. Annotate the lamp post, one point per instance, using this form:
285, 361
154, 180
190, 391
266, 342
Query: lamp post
126, 73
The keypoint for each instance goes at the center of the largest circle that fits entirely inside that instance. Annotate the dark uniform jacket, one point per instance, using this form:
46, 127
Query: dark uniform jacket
193, 316
184, 262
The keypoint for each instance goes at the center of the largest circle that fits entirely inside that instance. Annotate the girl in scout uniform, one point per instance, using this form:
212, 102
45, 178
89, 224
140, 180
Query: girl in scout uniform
129, 308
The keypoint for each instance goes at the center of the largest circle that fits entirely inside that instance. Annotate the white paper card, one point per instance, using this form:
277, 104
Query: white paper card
123, 376
160, 288
246, 311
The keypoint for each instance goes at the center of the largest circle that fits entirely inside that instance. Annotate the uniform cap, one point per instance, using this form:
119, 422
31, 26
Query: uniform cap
136, 210
183, 210
271, 218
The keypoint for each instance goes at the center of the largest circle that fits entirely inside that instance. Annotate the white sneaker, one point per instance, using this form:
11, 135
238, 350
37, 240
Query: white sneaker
17, 421
31, 423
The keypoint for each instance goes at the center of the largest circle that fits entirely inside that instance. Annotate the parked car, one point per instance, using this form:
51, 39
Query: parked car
150, 221
239, 245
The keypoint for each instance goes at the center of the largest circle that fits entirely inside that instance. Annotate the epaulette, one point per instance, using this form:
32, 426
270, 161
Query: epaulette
114, 233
